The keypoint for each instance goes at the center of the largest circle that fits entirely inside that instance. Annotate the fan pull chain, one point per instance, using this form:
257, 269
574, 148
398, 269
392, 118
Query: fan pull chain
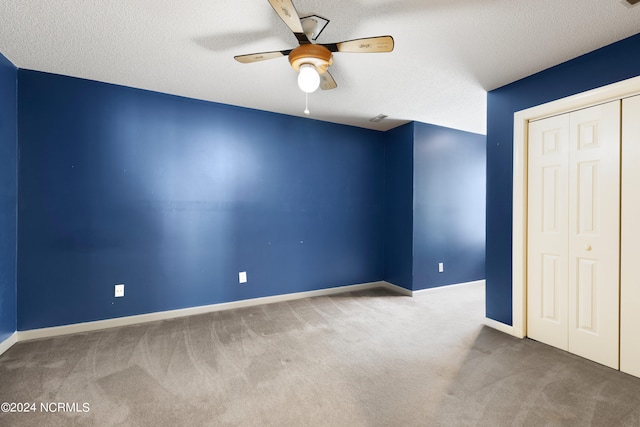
306, 104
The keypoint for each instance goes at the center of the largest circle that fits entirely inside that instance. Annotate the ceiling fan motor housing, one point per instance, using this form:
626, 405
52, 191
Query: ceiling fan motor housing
318, 56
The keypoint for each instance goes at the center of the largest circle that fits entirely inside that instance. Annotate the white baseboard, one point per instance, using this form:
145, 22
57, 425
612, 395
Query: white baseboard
8, 343
409, 293
97, 325
502, 327
171, 314
439, 288
398, 289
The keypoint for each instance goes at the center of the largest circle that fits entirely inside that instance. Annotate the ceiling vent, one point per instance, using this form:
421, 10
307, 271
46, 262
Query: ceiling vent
381, 117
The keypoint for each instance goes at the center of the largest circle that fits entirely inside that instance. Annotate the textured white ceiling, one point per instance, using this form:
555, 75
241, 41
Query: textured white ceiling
448, 52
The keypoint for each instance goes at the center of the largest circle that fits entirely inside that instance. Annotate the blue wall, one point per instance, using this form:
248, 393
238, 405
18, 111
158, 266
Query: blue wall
174, 197
449, 206
610, 64
398, 230
434, 206
8, 196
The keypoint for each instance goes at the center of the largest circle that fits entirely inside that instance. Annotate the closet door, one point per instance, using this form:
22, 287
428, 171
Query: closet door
548, 244
573, 232
594, 233
630, 273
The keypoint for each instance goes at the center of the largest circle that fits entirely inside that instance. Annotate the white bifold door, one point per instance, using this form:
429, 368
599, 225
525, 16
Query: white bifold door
630, 258
573, 265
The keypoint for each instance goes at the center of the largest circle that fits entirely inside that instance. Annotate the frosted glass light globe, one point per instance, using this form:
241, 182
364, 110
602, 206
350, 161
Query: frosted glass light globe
308, 78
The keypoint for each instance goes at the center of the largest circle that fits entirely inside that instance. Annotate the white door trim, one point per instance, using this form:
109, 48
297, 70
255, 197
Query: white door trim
521, 119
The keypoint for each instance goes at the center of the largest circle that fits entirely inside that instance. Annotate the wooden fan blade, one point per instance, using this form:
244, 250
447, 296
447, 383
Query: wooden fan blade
366, 45
287, 12
263, 56
327, 82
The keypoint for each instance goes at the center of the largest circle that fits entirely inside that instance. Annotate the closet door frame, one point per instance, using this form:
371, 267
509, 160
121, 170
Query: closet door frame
612, 92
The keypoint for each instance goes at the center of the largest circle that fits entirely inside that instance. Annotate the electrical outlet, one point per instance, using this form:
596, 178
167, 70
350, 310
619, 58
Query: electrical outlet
440, 267
119, 291
242, 277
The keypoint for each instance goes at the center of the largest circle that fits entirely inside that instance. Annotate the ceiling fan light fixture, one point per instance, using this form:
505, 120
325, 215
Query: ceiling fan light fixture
309, 59
308, 78
318, 56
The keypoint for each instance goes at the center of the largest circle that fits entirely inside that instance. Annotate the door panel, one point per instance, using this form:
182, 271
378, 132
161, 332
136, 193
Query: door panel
547, 267
551, 286
550, 203
594, 232
588, 204
630, 258
587, 303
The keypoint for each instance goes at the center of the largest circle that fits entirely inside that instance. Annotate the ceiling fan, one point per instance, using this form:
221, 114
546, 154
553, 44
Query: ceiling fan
312, 60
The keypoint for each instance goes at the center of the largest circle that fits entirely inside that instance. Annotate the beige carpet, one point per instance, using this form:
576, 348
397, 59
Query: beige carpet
360, 359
